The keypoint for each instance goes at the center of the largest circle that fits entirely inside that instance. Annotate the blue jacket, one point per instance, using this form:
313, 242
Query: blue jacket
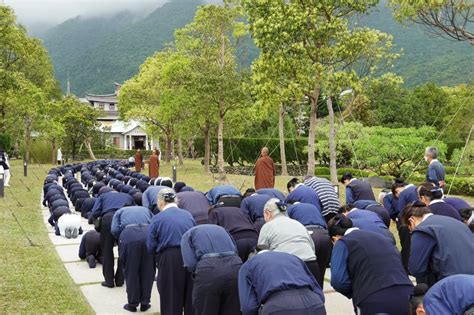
435, 173
452, 295
205, 239
304, 194
272, 192
215, 193
369, 221
150, 196
167, 229
407, 196
129, 215
254, 205
111, 201
306, 214
271, 272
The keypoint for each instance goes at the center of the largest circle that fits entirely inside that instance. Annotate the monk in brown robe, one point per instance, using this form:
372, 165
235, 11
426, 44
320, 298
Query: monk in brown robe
264, 171
154, 164
138, 161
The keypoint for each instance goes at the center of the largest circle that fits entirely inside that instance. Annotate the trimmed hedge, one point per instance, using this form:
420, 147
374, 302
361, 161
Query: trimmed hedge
243, 151
113, 153
460, 185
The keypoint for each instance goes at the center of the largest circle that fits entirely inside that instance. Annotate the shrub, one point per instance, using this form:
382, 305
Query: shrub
355, 172
322, 170
5, 142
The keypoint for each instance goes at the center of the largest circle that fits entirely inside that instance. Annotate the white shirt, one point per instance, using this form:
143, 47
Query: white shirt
170, 205
349, 230
433, 160
60, 155
436, 201
426, 216
68, 221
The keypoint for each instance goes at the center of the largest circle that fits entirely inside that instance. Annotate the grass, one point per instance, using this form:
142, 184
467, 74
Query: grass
33, 279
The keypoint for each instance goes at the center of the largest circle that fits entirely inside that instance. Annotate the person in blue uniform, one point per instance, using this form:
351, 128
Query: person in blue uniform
308, 215
467, 216
356, 189
130, 227
272, 192
224, 193
239, 226
253, 206
436, 173
437, 244
298, 192
367, 221
278, 283
149, 198
452, 295
174, 282
89, 249
432, 197
104, 207
196, 203
210, 254
390, 203
457, 203
374, 206
368, 269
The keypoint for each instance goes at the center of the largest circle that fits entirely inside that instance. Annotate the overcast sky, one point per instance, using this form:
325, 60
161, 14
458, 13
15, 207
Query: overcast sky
57, 11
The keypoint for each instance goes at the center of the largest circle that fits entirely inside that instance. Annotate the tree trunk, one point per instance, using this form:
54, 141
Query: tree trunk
27, 142
169, 148
53, 153
180, 151
207, 149
312, 130
281, 135
332, 142
87, 144
220, 144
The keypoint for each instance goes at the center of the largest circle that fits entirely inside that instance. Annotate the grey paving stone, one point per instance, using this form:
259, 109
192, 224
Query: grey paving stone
338, 304
111, 301
81, 273
68, 253
59, 240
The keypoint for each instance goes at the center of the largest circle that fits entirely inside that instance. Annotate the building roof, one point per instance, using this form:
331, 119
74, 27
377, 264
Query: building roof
123, 127
106, 98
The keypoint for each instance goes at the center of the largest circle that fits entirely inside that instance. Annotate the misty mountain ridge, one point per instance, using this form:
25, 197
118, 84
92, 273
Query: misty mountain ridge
99, 51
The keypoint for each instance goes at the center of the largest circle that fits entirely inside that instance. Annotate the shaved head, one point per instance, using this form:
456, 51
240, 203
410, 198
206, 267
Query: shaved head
264, 151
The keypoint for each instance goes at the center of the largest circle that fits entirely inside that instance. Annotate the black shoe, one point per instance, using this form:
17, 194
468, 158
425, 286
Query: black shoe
91, 261
119, 284
130, 308
105, 284
144, 308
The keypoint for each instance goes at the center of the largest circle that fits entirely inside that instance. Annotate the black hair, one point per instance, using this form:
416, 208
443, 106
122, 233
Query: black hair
137, 197
249, 192
397, 184
169, 197
338, 225
466, 213
346, 176
418, 210
430, 191
345, 208
292, 183
416, 299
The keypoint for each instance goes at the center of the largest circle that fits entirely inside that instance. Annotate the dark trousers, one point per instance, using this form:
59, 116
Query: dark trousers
259, 223
107, 242
93, 245
313, 267
245, 246
174, 282
405, 241
323, 248
138, 264
393, 300
216, 289
293, 302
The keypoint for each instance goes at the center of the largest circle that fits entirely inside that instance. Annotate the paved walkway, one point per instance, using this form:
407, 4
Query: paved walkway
110, 301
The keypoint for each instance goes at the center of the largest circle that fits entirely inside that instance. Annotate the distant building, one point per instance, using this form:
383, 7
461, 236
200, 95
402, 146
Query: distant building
124, 135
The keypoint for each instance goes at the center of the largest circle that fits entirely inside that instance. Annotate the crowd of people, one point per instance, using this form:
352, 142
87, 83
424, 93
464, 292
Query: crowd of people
263, 251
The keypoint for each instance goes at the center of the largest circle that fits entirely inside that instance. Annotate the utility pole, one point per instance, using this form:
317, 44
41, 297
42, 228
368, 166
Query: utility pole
68, 88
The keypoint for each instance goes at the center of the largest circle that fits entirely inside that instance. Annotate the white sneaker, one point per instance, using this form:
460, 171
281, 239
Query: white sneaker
7, 185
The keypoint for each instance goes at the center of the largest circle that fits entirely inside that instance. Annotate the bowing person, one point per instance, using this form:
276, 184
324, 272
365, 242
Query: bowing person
253, 206
367, 268
327, 195
130, 227
89, 249
239, 226
224, 193
174, 282
308, 215
432, 197
282, 234
437, 244
272, 283
104, 207
210, 254
356, 189
196, 203
301, 193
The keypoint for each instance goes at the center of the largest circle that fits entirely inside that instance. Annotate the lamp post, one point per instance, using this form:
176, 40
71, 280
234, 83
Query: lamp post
2, 179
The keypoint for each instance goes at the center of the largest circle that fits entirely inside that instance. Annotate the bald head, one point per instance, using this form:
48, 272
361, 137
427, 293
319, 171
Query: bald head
264, 151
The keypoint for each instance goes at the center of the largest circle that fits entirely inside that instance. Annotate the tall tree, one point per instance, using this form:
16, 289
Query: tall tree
452, 19
309, 44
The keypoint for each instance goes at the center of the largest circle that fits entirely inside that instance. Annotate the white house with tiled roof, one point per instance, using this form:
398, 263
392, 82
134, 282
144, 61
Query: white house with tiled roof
124, 135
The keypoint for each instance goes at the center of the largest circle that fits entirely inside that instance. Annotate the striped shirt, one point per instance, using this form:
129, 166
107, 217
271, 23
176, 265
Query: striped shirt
326, 193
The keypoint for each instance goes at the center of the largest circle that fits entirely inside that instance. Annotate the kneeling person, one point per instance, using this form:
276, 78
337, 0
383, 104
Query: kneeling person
210, 253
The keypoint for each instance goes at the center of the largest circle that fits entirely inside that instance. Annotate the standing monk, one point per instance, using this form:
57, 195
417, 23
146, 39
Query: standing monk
264, 171
154, 164
138, 161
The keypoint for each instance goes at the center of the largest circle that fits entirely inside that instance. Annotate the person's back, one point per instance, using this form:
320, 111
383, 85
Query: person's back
258, 284
150, 195
69, 225
303, 193
369, 221
407, 196
214, 194
373, 264
436, 173
440, 207
440, 242
233, 220
272, 192
253, 206
196, 203
457, 203
264, 171
327, 195
307, 214
360, 191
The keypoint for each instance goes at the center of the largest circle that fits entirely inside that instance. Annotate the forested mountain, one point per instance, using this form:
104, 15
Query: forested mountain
99, 51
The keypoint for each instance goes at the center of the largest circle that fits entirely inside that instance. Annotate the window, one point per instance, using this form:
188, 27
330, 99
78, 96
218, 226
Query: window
111, 106
101, 106
117, 141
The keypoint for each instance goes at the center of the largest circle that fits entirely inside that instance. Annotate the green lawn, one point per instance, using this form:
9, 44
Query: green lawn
33, 279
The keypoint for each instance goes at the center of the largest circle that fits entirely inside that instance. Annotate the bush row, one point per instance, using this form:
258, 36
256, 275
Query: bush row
460, 185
